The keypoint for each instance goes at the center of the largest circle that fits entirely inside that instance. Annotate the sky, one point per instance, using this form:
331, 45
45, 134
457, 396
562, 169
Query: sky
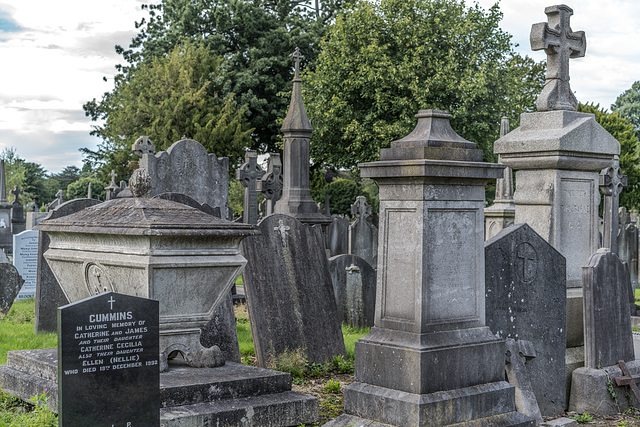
54, 55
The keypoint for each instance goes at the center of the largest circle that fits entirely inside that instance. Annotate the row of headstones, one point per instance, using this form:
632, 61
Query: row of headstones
358, 238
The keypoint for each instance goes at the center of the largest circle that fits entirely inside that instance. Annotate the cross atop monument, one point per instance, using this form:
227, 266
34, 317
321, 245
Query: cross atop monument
113, 176
142, 146
16, 194
361, 208
297, 57
249, 174
60, 197
560, 43
611, 183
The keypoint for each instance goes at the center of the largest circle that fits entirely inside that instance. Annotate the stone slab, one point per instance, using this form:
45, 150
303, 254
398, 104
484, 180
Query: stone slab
10, 284
338, 235
289, 293
363, 240
25, 259
560, 422
590, 392
526, 300
354, 286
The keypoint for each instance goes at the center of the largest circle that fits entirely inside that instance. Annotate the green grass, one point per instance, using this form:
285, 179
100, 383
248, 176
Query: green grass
17, 330
15, 413
351, 335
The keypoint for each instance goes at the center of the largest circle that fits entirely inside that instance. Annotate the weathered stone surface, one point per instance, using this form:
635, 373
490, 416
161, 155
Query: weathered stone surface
560, 422
611, 183
289, 293
354, 286
249, 174
338, 235
628, 245
49, 295
363, 236
526, 300
271, 183
25, 259
18, 223
187, 168
10, 284
33, 219
608, 336
518, 353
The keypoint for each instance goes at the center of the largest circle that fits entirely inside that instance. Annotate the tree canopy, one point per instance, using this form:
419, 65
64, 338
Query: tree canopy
622, 130
627, 105
383, 61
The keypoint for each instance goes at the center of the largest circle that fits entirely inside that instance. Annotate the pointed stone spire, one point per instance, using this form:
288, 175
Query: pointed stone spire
297, 120
3, 185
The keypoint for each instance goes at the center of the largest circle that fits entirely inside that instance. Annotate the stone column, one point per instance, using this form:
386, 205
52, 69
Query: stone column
429, 349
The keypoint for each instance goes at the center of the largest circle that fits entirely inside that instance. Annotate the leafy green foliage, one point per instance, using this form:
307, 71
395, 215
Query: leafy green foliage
166, 99
627, 105
383, 61
332, 386
583, 418
623, 131
79, 189
15, 413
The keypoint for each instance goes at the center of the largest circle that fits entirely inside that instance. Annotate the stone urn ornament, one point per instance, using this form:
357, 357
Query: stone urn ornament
152, 248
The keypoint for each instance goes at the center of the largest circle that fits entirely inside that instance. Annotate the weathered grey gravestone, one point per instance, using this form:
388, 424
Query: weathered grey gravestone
502, 212
289, 294
187, 168
556, 153
354, 286
526, 300
108, 367
611, 182
338, 235
271, 183
628, 245
6, 239
363, 236
10, 283
49, 295
607, 333
249, 174
25, 259
18, 223
430, 359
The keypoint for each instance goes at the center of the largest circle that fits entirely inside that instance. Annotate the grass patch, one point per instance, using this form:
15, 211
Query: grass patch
351, 335
16, 413
17, 330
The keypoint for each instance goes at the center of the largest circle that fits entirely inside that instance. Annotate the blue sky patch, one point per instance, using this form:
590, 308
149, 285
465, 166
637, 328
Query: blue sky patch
7, 24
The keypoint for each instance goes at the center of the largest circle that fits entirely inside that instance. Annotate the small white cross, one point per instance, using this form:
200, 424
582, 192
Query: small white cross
111, 301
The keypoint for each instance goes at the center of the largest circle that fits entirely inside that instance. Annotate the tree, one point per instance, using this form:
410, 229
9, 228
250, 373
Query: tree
383, 61
67, 176
622, 130
166, 99
627, 105
80, 188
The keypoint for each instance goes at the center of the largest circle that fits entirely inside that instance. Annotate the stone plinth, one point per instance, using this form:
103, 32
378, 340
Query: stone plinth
429, 348
557, 156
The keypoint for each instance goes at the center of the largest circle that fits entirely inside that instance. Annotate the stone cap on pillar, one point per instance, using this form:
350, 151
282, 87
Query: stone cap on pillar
557, 140
433, 138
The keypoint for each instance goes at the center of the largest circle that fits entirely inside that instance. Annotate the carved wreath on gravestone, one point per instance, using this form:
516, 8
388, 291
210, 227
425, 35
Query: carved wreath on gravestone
96, 279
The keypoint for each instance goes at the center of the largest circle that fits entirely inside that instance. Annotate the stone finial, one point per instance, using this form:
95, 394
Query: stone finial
361, 208
297, 120
611, 183
142, 146
3, 185
140, 183
16, 195
113, 176
560, 43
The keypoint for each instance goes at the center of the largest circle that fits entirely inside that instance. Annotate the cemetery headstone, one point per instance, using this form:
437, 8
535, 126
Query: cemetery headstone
10, 283
608, 336
296, 198
526, 300
25, 259
354, 286
289, 292
57, 202
49, 295
271, 183
363, 236
33, 219
338, 235
628, 245
18, 223
112, 189
187, 168
502, 212
249, 174
108, 362
611, 183
518, 353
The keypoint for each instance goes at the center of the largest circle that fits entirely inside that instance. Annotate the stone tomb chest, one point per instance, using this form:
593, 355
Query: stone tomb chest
156, 249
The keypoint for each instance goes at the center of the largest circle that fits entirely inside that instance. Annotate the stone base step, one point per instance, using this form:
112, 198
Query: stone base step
273, 410
511, 419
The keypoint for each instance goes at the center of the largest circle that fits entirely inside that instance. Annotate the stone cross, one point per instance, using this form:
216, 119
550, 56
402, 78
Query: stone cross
560, 43
142, 146
282, 229
89, 191
611, 182
628, 379
16, 195
248, 174
271, 183
361, 208
113, 176
3, 185
297, 57
60, 197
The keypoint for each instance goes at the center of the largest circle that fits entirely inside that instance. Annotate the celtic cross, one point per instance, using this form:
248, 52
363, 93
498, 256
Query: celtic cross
361, 208
248, 174
611, 183
16, 194
142, 146
297, 57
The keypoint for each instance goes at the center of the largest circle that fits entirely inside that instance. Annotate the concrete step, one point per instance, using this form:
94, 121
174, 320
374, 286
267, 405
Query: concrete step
38, 363
273, 410
510, 419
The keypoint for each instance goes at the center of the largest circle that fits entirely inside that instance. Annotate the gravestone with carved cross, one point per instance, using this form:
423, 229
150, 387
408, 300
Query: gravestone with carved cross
296, 198
526, 300
611, 183
363, 236
560, 44
249, 174
112, 189
271, 183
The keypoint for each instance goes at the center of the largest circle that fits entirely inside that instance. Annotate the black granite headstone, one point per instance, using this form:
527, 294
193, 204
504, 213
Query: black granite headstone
525, 285
354, 286
108, 362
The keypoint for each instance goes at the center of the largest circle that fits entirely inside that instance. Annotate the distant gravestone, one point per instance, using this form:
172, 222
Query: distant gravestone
187, 168
338, 235
363, 236
10, 284
607, 321
25, 259
270, 185
526, 300
249, 174
49, 295
289, 293
628, 244
108, 362
354, 286
18, 223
